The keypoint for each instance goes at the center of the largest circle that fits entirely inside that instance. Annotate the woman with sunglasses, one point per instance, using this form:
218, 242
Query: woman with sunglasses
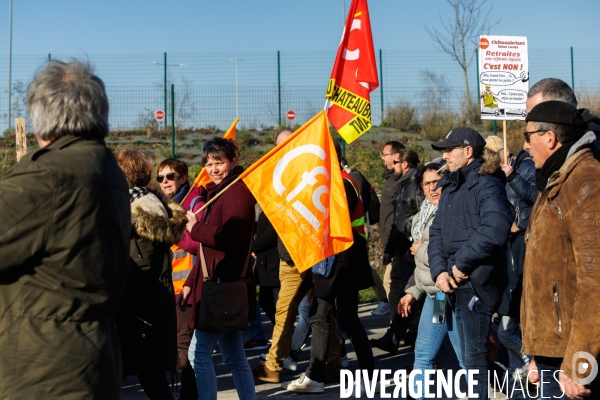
172, 177
146, 319
430, 334
225, 231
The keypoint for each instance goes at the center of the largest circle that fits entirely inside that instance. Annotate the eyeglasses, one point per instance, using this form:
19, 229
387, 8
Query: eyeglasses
449, 149
528, 134
170, 177
433, 183
216, 142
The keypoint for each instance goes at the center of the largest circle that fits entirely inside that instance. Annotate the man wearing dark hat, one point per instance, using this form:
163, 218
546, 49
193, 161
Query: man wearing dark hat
560, 308
467, 254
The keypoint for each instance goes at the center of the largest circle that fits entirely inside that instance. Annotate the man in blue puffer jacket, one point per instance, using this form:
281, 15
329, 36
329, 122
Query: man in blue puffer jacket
467, 253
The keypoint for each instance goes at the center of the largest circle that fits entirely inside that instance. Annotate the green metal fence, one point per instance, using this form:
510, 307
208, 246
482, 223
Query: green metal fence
271, 83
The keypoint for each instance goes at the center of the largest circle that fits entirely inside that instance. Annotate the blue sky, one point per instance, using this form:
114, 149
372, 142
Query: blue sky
184, 26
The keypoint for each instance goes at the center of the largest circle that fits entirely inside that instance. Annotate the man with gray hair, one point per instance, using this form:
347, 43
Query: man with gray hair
64, 246
556, 89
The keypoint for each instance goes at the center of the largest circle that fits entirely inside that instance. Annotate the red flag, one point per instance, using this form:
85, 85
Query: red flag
354, 76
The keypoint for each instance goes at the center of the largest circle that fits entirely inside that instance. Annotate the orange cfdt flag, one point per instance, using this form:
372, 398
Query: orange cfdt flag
354, 76
203, 179
299, 186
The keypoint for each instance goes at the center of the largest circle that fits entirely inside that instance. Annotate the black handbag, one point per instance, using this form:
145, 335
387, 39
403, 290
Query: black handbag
224, 305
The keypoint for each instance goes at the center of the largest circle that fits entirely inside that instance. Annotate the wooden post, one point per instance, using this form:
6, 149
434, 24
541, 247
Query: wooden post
21, 137
505, 148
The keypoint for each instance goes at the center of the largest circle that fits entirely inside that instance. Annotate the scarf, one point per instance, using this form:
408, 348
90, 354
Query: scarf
552, 164
181, 192
136, 192
427, 210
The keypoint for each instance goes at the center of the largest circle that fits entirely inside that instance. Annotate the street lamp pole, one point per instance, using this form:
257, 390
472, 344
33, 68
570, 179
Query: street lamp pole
165, 65
236, 60
9, 59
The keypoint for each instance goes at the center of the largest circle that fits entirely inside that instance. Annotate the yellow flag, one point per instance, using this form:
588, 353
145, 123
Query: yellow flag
299, 186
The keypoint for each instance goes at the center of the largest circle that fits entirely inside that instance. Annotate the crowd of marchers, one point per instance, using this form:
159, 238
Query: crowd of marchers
108, 271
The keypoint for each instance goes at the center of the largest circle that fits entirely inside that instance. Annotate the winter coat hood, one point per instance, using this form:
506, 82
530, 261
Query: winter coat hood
154, 221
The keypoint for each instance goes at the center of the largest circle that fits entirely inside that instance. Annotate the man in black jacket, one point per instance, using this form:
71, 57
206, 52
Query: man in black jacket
386, 220
467, 239
407, 202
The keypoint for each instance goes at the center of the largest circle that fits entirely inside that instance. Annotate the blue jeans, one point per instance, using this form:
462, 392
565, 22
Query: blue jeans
256, 332
430, 337
510, 337
302, 326
474, 331
234, 356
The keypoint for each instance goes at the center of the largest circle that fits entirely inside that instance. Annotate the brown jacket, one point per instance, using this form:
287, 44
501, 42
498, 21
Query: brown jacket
560, 308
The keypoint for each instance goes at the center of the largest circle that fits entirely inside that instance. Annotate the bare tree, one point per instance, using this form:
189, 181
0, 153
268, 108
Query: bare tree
460, 34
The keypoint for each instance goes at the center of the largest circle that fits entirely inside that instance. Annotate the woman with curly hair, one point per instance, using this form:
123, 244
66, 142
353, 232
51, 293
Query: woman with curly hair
146, 319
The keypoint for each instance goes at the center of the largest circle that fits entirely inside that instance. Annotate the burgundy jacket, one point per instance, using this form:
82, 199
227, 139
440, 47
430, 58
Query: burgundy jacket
225, 231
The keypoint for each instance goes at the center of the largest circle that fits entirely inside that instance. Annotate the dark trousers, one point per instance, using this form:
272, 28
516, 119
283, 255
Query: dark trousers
474, 331
267, 299
188, 391
346, 306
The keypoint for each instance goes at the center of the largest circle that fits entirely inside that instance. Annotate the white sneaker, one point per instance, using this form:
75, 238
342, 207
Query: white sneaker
345, 362
305, 385
382, 309
290, 364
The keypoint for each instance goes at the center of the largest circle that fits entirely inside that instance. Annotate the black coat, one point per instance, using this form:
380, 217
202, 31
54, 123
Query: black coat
471, 228
266, 270
351, 268
407, 203
511, 300
149, 294
521, 189
386, 208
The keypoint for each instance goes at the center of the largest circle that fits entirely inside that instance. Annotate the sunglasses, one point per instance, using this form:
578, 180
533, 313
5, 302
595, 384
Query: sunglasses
528, 134
397, 162
216, 142
170, 177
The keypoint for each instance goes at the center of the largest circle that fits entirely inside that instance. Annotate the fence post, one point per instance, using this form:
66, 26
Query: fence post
165, 77
572, 70
381, 82
172, 119
279, 86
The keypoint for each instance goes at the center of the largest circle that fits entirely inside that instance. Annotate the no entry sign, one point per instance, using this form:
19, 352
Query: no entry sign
290, 115
159, 115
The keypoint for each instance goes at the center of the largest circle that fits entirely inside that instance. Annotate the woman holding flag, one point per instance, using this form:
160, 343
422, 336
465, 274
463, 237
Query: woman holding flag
225, 231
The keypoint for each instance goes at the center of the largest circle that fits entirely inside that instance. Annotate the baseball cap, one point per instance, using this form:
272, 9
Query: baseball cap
462, 136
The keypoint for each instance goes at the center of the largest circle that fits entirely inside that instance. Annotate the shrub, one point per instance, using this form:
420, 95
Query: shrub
400, 116
437, 123
589, 99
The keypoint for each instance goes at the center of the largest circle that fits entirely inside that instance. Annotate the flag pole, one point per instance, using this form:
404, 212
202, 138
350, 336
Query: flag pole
218, 195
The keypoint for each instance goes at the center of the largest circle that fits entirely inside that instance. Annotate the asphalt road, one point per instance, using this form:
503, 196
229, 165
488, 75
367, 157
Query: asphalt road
375, 327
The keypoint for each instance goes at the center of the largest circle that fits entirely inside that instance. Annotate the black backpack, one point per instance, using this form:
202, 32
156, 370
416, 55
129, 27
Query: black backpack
369, 197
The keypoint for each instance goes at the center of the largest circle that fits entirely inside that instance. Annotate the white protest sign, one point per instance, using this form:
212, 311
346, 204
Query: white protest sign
503, 76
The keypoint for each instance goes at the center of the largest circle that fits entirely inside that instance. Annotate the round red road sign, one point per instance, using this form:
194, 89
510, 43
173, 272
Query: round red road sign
159, 115
290, 115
